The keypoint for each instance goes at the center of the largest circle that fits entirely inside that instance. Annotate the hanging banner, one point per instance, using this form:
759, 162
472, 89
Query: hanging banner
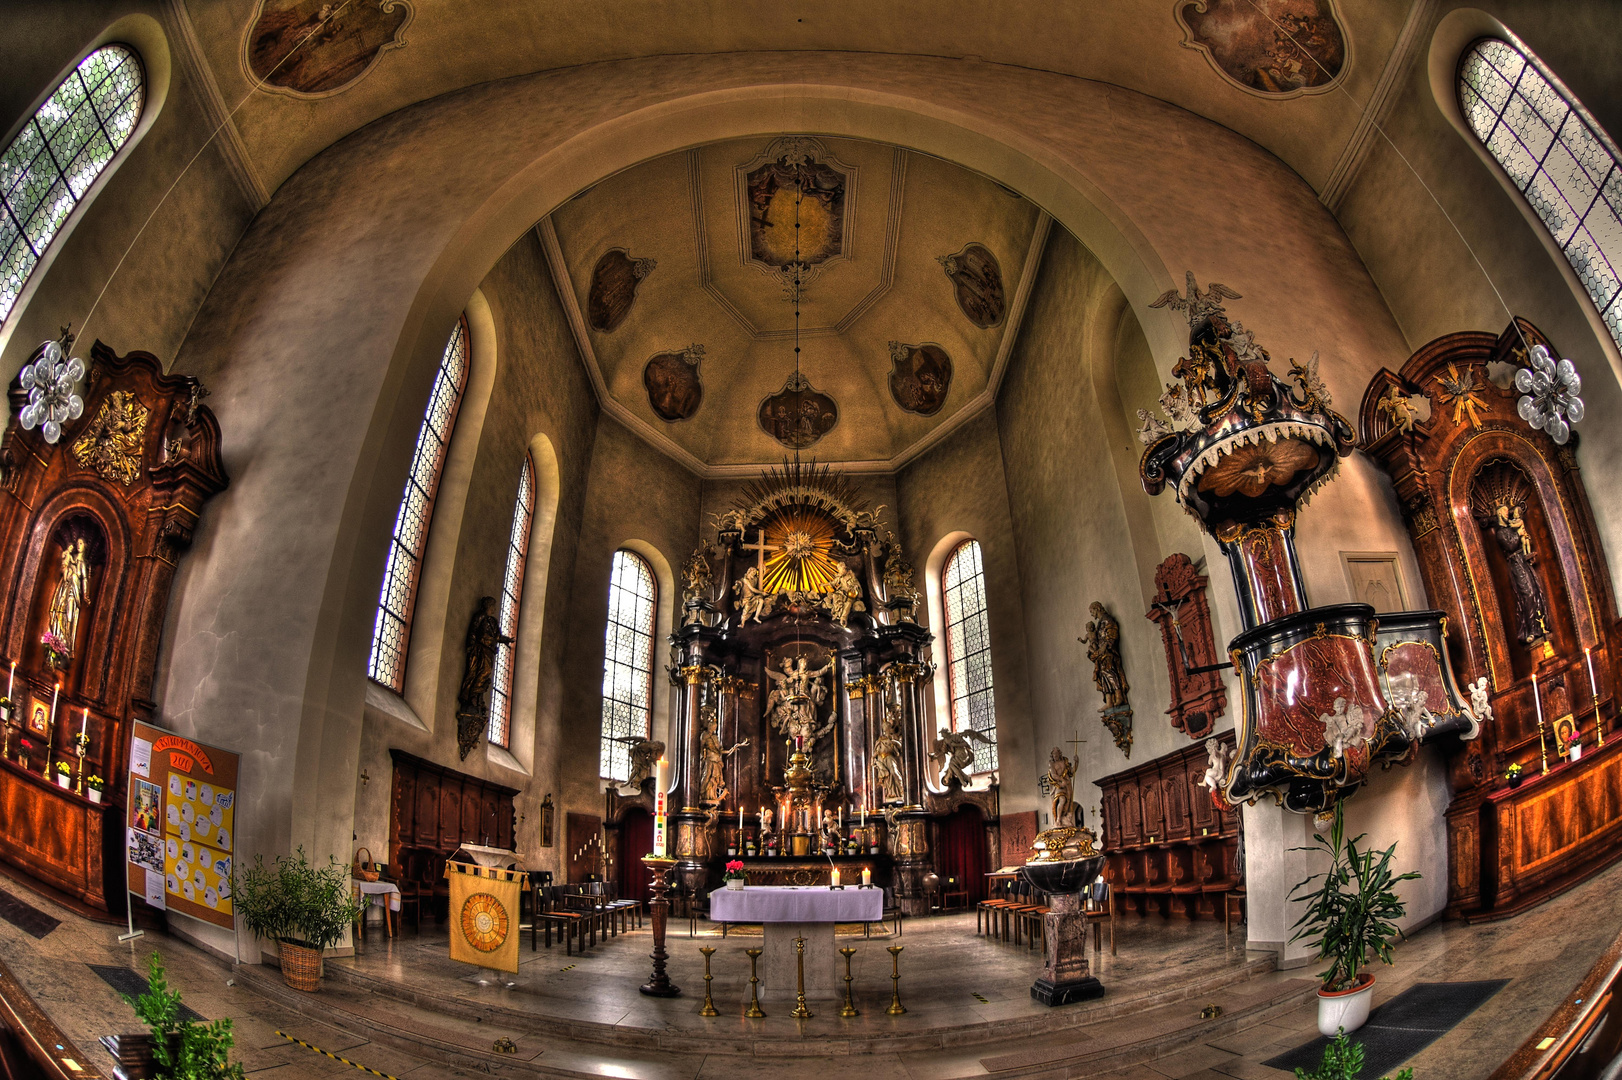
180, 824
484, 914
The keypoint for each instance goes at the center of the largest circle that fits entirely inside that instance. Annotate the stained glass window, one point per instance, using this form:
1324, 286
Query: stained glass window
391, 633
968, 650
1557, 156
627, 662
512, 588
58, 154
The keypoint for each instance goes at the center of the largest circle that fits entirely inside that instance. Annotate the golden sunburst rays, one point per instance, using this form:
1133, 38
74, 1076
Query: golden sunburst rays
801, 541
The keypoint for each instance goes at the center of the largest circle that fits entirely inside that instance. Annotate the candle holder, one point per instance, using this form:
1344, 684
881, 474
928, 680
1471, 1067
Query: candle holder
1543, 747
896, 1008
660, 866
81, 742
754, 1011
849, 1008
709, 1003
800, 1011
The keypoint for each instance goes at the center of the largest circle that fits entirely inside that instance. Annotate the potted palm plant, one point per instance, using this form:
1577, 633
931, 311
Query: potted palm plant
303, 907
1351, 914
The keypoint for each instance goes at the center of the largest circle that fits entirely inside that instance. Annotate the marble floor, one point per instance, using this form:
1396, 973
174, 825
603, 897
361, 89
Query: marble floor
402, 1008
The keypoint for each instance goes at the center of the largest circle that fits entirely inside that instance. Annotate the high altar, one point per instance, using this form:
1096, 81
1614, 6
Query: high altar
801, 669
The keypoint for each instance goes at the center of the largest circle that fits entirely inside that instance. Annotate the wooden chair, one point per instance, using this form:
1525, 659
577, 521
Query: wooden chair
990, 910
1100, 909
698, 907
550, 913
409, 877
1233, 903
955, 896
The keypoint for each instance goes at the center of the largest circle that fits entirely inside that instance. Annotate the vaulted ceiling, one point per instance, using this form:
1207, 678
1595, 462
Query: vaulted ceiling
910, 294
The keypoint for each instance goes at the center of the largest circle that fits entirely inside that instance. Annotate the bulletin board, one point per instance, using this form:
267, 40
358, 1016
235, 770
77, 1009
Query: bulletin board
180, 826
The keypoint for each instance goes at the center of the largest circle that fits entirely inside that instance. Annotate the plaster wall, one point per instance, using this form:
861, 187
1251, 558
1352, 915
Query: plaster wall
540, 389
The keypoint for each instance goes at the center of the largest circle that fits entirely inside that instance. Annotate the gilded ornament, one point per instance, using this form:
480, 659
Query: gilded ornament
1460, 392
112, 444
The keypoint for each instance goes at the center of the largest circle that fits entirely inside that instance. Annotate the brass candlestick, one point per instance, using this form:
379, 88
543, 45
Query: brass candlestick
754, 1012
896, 1008
659, 985
1543, 746
80, 742
800, 1011
849, 1008
709, 1003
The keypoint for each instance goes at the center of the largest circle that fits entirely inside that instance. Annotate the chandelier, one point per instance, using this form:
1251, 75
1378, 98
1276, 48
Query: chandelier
1549, 394
50, 381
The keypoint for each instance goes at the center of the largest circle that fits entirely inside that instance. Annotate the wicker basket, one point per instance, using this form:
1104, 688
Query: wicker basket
365, 869
301, 966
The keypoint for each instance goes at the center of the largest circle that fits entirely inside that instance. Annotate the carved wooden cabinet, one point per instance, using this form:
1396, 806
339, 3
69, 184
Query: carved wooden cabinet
1169, 848
436, 810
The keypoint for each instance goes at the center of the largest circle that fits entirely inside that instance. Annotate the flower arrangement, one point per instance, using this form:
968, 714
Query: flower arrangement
95, 783
1513, 773
57, 651
734, 870
64, 768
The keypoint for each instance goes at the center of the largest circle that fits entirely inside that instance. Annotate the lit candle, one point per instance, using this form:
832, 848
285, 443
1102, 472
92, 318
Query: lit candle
867, 876
740, 817
84, 723
12, 681
836, 879
661, 782
1537, 701
864, 815
841, 819
54, 695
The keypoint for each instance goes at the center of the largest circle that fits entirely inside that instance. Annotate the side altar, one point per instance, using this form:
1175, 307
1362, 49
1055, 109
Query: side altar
801, 669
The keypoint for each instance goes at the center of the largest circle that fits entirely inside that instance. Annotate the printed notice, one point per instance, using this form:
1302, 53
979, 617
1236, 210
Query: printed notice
154, 891
141, 757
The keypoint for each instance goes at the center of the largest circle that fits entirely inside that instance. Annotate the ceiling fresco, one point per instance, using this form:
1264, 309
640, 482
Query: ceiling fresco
1279, 48
892, 347
311, 47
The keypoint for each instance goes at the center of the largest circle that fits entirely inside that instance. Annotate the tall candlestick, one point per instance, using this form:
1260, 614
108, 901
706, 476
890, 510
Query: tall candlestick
1537, 700
12, 680
1593, 689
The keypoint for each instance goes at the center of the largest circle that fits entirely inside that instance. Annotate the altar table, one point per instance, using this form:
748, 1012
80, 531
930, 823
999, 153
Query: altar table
793, 911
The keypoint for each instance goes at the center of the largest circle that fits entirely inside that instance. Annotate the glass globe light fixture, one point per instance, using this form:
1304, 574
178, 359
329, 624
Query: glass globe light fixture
50, 381
1549, 394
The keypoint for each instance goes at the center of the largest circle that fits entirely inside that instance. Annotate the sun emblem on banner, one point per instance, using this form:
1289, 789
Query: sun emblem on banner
484, 922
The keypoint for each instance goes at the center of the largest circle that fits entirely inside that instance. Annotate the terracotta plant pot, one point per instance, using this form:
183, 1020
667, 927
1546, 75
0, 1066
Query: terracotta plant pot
1347, 1009
301, 966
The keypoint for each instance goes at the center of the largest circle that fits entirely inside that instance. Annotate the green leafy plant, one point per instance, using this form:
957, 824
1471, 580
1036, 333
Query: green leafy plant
296, 901
1351, 913
182, 1049
1343, 1060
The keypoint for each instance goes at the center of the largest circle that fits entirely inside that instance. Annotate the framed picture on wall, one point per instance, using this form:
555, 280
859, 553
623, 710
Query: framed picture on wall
39, 717
1375, 579
546, 820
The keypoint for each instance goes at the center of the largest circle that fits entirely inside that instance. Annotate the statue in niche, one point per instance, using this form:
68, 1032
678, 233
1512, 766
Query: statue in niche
753, 601
887, 758
712, 785
1498, 499
645, 755
1103, 641
843, 595
484, 636
1062, 782
793, 705
68, 599
957, 754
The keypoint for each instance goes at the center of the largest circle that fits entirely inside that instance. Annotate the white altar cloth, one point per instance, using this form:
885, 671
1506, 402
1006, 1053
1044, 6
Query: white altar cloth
490, 856
796, 904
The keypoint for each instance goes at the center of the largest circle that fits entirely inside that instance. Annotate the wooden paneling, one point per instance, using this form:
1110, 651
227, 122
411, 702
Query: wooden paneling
437, 809
585, 836
57, 835
1169, 847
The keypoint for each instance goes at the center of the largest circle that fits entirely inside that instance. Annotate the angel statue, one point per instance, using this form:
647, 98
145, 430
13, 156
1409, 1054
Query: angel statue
1480, 707
1062, 782
793, 705
1343, 728
1401, 410
712, 785
645, 755
887, 758
753, 601
1219, 759
957, 754
765, 823
1197, 306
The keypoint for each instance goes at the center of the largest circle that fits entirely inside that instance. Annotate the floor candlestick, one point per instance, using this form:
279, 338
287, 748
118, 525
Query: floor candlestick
709, 1003
849, 1008
659, 985
800, 1011
896, 1008
754, 1011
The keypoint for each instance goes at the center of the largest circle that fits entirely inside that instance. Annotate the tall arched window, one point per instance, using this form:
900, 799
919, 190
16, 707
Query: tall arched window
627, 661
391, 633
58, 154
512, 588
968, 650
1557, 155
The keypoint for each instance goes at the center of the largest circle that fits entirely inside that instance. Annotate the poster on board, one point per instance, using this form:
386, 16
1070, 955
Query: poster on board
180, 825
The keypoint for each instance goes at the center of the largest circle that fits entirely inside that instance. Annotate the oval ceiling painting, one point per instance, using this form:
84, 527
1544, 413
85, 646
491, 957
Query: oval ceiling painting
920, 376
799, 414
1271, 47
614, 282
674, 388
977, 279
315, 47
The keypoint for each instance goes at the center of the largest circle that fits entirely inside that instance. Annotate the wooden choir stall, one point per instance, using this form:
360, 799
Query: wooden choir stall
92, 526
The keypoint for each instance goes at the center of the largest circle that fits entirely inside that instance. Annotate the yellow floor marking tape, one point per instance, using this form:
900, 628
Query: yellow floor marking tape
335, 1057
